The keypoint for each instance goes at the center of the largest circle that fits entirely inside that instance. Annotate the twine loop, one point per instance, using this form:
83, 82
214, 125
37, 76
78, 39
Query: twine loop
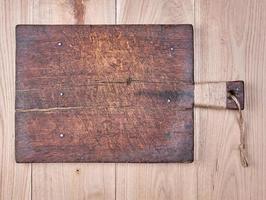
241, 123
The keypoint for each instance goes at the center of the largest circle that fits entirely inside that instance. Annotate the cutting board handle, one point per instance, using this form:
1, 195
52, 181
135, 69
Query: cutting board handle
218, 94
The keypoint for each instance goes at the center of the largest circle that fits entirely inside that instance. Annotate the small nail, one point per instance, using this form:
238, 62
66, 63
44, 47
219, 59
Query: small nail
59, 43
168, 100
61, 94
61, 135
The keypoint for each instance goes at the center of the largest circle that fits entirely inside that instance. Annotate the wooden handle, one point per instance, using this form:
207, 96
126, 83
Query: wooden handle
215, 94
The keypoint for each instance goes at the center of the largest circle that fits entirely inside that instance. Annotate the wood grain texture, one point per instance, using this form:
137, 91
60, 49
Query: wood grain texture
60, 181
83, 140
210, 95
127, 93
72, 11
162, 181
216, 95
52, 56
230, 45
73, 181
15, 180
155, 12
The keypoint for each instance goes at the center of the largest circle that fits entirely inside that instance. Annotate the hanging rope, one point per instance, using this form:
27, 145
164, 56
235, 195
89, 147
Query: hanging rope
241, 123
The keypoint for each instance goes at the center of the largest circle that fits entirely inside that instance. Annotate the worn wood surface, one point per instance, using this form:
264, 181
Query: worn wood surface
236, 88
210, 94
104, 93
61, 181
156, 181
216, 95
230, 43
73, 56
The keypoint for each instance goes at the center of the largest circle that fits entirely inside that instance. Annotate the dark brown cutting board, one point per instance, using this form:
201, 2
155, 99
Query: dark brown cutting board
120, 93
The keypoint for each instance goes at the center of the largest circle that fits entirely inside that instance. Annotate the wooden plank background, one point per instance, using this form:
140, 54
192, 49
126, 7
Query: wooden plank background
230, 44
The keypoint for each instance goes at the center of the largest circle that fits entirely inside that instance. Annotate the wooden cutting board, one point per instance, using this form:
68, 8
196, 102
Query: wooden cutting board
119, 93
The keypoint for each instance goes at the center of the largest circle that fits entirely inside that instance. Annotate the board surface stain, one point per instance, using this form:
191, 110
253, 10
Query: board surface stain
104, 93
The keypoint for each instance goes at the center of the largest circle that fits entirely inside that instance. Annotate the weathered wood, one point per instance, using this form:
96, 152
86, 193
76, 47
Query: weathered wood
216, 94
104, 93
70, 181
108, 95
236, 88
156, 181
210, 94
133, 134
54, 56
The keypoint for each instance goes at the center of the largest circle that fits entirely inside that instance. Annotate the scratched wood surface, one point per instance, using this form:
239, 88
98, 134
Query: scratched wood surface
72, 181
104, 93
230, 45
160, 181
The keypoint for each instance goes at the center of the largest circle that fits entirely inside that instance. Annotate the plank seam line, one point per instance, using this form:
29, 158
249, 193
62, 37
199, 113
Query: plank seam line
74, 108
